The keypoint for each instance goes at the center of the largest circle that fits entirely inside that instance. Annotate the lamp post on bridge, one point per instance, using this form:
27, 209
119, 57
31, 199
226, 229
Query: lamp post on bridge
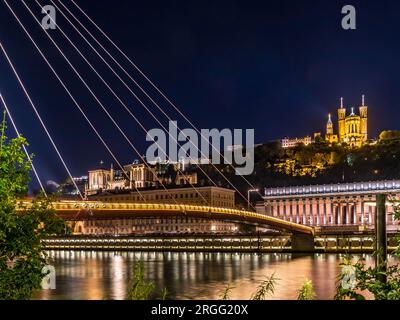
248, 197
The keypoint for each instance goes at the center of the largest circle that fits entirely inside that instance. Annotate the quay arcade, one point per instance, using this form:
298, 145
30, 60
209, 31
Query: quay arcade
331, 204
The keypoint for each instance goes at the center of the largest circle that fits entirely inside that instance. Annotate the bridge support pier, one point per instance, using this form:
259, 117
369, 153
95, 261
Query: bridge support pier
302, 242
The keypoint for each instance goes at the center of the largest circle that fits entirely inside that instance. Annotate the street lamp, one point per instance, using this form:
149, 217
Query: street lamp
248, 197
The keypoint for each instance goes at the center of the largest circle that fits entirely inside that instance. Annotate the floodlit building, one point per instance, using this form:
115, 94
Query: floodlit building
139, 183
210, 195
136, 176
292, 142
352, 128
178, 224
341, 204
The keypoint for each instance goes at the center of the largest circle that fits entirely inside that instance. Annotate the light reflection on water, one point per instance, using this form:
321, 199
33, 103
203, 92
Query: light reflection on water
107, 275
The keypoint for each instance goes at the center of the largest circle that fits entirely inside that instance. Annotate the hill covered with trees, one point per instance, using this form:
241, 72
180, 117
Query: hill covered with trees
317, 163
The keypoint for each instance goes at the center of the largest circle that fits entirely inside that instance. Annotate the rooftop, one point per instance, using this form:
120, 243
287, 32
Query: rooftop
326, 189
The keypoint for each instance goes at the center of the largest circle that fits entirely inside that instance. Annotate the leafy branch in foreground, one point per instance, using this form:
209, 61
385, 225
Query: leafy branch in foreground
358, 279
164, 294
226, 292
142, 289
367, 279
21, 228
307, 291
265, 288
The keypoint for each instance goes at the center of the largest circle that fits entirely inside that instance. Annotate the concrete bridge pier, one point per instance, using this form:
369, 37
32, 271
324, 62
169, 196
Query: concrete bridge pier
302, 242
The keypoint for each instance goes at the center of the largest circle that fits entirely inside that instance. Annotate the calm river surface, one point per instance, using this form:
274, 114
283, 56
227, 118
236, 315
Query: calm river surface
107, 275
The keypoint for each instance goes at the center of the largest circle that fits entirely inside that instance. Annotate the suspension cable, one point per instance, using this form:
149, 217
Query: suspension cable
144, 75
70, 95
103, 107
147, 95
120, 100
23, 146
40, 119
130, 90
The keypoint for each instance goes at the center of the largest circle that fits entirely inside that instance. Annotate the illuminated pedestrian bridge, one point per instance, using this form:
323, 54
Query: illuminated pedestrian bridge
92, 210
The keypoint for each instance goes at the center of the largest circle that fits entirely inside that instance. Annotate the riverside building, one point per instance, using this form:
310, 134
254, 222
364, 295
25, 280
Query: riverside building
138, 184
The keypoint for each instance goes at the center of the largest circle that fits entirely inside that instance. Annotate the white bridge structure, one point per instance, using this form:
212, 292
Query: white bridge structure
331, 204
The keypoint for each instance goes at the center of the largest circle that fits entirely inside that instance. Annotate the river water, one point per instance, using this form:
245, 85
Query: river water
107, 275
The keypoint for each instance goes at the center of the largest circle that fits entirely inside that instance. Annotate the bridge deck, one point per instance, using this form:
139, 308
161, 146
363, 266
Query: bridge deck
89, 210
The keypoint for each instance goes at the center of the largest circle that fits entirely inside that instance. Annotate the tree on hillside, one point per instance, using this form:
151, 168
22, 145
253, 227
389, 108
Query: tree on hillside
21, 228
389, 135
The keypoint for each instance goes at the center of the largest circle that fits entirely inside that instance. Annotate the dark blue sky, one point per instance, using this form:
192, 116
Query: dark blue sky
276, 66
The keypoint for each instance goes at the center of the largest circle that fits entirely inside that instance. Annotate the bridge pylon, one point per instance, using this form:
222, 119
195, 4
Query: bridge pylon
302, 242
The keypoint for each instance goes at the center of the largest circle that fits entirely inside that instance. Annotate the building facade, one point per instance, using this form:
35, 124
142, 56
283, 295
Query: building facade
140, 175
292, 142
210, 196
153, 225
331, 204
352, 128
136, 176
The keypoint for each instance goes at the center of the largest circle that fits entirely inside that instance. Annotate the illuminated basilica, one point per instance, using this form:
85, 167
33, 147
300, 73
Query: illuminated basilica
352, 129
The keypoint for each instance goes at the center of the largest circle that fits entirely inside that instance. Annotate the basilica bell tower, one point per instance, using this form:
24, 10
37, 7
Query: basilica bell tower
341, 121
363, 120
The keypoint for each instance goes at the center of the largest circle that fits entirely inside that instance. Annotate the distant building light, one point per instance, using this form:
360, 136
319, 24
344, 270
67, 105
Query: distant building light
290, 143
82, 178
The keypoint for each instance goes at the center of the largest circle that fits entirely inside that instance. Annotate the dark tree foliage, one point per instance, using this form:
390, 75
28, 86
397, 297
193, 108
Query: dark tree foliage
316, 163
22, 225
381, 283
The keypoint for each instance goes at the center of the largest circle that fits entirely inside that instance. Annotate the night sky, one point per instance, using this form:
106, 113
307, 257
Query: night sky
276, 66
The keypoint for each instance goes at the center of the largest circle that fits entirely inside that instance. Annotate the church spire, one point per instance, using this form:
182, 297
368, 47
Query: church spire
363, 100
329, 119
341, 102
329, 126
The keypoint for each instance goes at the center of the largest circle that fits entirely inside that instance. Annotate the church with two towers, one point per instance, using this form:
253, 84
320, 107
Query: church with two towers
352, 128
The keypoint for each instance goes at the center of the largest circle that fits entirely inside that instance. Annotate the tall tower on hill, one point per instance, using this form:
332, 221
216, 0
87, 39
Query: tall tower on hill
364, 119
329, 126
341, 121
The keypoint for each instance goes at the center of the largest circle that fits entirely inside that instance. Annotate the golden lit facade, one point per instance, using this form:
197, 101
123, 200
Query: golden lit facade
176, 224
290, 143
135, 176
208, 195
352, 128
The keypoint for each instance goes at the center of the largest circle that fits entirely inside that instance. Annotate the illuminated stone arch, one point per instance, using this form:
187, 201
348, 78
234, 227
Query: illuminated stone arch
79, 227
